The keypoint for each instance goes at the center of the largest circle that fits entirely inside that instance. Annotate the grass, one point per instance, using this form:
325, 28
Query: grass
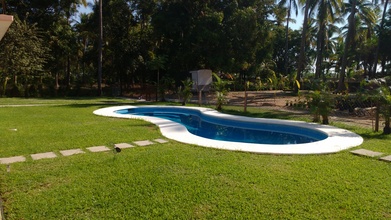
175, 180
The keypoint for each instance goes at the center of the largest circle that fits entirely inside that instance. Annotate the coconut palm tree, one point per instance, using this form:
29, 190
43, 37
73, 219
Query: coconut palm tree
362, 9
328, 10
301, 62
290, 5
365, 46
385, 2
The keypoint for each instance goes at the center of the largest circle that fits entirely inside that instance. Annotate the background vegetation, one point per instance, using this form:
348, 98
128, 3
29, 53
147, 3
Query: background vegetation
51, 49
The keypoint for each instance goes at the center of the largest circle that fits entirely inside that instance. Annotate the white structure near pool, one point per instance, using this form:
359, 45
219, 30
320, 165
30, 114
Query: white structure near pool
209, 128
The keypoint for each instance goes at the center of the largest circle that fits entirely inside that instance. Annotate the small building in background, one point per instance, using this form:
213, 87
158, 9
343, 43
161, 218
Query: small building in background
202, 81
5, 22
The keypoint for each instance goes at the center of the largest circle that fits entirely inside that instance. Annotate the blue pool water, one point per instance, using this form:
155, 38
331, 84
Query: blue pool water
231, 130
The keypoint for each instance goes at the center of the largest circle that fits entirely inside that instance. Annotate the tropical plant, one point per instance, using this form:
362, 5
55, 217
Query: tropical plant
385, 107
220, 88
320, 104
185, 91
166, 85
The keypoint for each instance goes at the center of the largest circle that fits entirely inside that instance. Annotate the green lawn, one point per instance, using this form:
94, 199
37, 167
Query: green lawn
174, 180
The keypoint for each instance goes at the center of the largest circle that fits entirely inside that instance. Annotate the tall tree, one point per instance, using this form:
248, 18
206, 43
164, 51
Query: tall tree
22, 58
301, 63
290, 5
69, 7
381, 29
100, 49
363, 10
327, 10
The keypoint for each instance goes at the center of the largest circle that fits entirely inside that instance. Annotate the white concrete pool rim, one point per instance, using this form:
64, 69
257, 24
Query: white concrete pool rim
338, 139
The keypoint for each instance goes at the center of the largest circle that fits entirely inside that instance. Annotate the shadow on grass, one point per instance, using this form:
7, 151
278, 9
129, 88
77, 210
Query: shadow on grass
257, 113
373, 135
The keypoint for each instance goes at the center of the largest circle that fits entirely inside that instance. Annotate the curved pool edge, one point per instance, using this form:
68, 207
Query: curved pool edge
338, 139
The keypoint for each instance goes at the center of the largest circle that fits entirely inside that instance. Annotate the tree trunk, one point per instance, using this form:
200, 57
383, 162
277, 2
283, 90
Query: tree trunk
287, 41
5, 85
320, 41
245, 94
383, 65
301, 63
348, 41
387, 128
100, 56
377, 117
68, 72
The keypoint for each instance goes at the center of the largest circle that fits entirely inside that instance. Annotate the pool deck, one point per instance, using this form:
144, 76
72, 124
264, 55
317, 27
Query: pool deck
338, 139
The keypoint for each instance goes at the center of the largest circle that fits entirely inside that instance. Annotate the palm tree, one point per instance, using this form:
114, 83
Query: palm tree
291, 4
327, 10
364, 11
385, 2
330, 48
365, 46
301, 63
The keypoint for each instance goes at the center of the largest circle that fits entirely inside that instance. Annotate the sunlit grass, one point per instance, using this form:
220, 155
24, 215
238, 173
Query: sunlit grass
174, 180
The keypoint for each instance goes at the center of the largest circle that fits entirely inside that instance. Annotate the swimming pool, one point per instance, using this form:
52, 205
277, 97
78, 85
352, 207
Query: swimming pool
209, 128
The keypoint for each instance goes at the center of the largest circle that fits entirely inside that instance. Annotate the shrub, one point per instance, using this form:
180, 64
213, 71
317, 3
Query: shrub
320, 104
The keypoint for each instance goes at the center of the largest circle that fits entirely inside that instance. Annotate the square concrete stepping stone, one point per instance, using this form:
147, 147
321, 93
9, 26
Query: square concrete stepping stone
386, 158
98, 149
43, 155
123, 145
161, 141
71, 152
364, 152
9, 160
143, 143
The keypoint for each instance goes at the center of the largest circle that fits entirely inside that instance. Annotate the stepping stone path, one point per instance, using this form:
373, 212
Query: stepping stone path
123, 145
12, 160
369, 153
38, 156
98, 149
161, 141
386, 158
43, 155
143, 143
71, 152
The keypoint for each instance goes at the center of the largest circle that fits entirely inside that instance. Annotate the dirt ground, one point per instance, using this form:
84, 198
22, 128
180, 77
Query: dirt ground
280, 100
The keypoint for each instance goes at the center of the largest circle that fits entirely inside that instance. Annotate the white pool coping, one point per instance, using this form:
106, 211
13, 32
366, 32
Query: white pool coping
338, 139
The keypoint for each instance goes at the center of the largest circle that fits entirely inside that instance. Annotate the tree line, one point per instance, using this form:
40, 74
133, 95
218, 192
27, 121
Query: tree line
52, 49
